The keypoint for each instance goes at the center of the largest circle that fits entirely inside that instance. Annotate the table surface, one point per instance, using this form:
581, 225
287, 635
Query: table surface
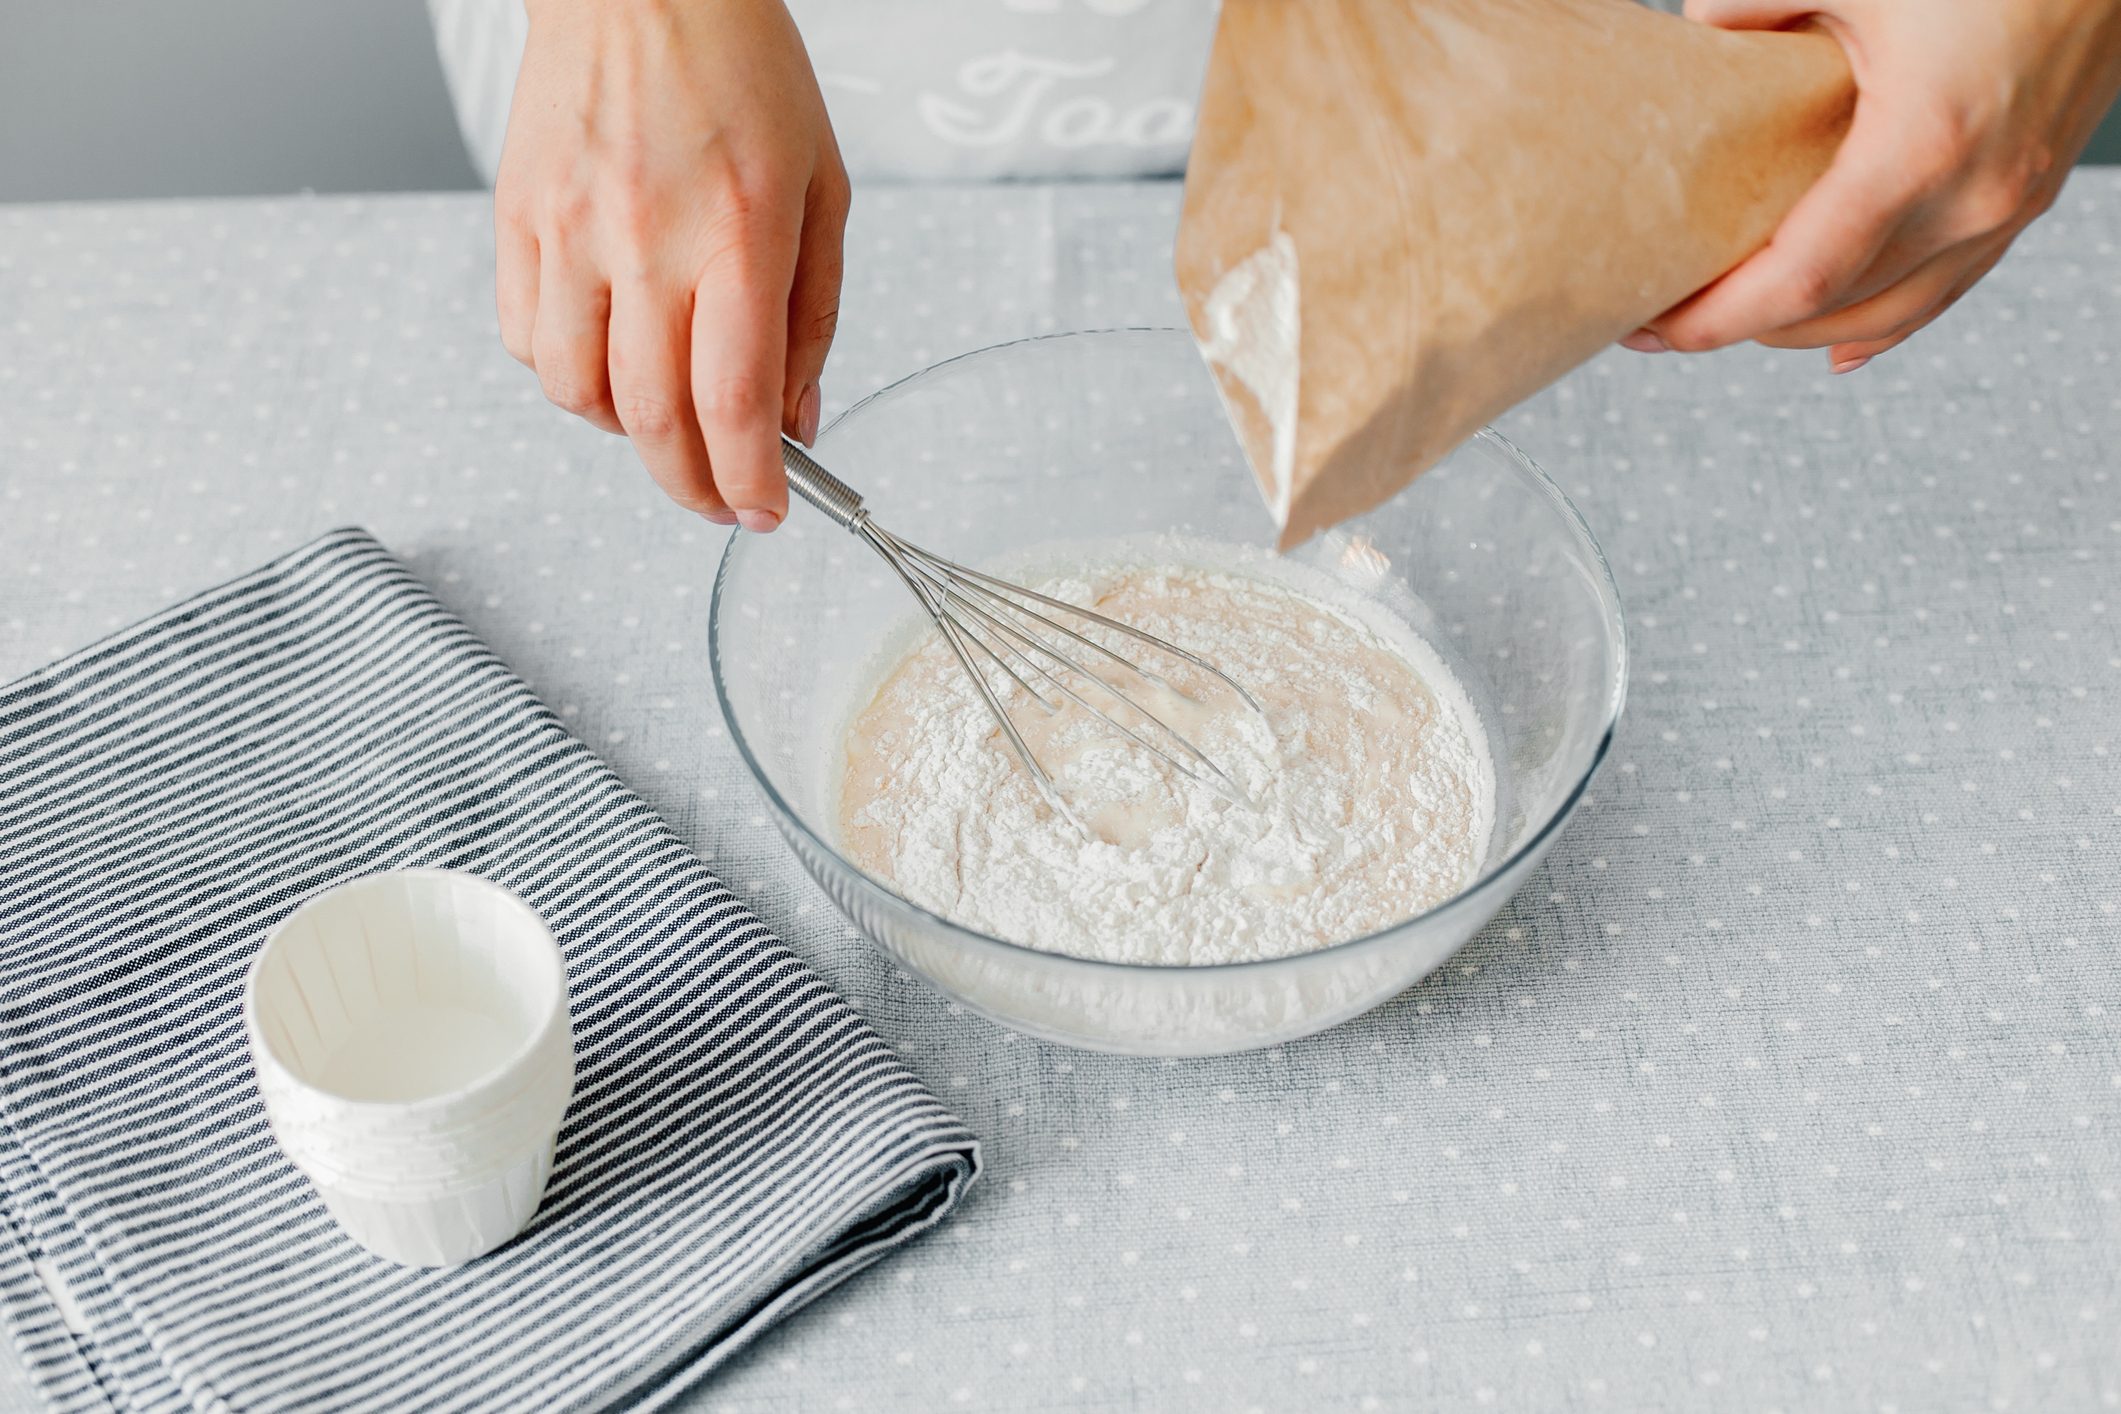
1791, 1081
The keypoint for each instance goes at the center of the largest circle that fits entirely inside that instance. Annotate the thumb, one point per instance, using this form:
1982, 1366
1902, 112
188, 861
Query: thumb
814, 299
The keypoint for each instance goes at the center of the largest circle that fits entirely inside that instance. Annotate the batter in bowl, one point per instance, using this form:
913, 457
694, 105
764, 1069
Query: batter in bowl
1371, 794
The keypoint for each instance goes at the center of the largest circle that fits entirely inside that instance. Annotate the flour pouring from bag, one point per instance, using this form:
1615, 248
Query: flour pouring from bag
1094, 669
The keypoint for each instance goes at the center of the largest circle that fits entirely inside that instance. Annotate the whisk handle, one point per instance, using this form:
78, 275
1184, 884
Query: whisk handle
818, 486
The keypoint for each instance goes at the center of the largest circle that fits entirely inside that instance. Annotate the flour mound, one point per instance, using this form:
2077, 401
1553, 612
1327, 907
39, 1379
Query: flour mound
1372, 791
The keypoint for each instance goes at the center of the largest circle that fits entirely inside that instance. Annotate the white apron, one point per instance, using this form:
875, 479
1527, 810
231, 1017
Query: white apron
935, 90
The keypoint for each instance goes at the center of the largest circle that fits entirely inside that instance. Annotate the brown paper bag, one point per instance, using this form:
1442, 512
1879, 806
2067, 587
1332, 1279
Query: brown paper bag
1402, 218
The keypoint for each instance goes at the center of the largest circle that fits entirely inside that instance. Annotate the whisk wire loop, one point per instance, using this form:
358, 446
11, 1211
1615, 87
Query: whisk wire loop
967, 595
978, 611
955, 636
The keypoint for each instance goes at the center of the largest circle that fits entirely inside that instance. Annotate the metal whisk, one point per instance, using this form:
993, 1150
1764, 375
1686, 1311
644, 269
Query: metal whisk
979, 614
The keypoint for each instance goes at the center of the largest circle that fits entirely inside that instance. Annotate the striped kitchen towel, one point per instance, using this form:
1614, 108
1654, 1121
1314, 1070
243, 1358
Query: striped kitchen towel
739, 1141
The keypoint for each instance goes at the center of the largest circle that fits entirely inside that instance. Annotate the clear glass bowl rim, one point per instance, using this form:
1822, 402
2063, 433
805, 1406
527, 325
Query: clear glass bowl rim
1609, 594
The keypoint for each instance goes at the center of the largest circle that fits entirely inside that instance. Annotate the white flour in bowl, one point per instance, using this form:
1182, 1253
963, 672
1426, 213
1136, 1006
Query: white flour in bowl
1372, 794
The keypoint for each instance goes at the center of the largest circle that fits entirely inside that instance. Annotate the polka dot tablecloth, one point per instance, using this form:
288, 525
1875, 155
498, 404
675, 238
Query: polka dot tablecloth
1792, 1082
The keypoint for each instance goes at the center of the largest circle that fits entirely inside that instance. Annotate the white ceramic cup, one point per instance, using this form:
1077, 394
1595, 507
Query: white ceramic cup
410, 1037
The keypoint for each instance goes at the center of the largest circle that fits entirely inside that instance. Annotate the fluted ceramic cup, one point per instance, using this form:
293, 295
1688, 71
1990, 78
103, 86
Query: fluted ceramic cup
410, 1036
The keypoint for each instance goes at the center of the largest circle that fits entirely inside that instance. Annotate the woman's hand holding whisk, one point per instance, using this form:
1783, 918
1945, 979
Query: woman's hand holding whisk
668, 218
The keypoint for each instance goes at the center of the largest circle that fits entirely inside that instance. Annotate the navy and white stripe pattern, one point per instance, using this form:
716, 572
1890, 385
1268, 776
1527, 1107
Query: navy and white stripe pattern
739, 1140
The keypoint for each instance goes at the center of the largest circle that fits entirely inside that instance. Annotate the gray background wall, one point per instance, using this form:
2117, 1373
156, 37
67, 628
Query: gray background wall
125, 98
117, 98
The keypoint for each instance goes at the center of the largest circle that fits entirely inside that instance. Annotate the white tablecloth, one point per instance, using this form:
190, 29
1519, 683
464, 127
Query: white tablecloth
1793, 1081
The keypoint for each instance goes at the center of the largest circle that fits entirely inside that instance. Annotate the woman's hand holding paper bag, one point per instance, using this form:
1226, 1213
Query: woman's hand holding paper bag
1969, 115
1402, 220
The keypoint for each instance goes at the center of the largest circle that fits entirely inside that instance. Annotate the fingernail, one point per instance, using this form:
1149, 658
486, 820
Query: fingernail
1850, 365
720, 517
758, 522
1643, 341
806, 413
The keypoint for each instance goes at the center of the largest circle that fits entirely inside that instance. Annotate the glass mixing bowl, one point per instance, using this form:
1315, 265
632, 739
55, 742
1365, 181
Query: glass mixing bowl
1118, 433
